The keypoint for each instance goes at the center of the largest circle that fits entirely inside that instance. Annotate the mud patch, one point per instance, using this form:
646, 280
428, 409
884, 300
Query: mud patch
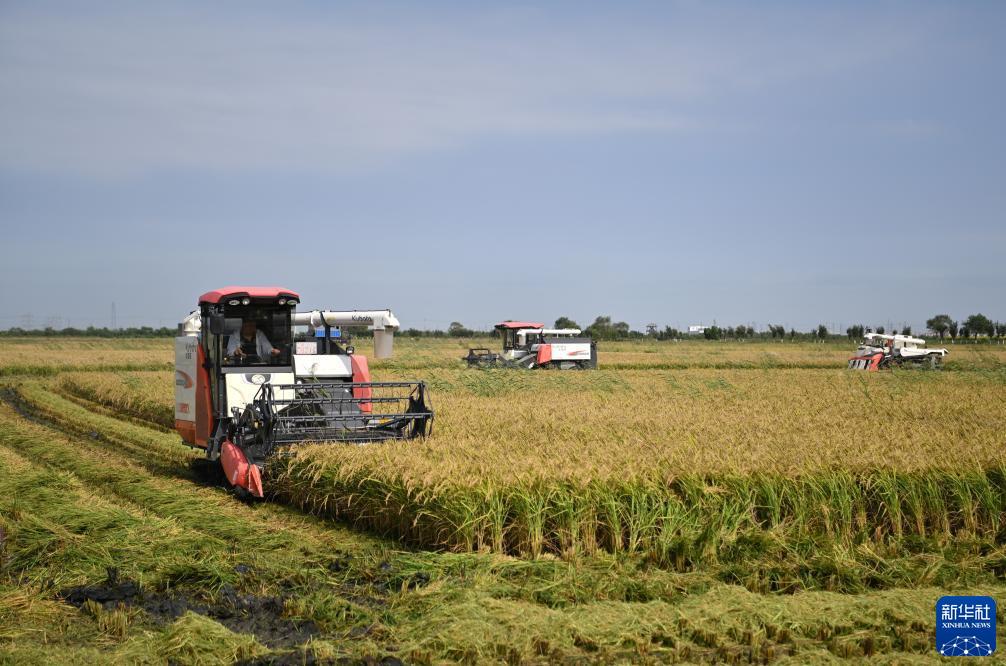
109, 594
260, 616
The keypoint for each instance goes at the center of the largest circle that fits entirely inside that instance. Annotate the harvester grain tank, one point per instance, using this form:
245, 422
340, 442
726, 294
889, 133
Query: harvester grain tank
880, 351
253, 376
529, 344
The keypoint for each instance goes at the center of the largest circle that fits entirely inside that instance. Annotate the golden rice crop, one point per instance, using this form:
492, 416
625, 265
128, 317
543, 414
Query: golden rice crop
51, 355
426, 353
47, 356
503, 425
675, 463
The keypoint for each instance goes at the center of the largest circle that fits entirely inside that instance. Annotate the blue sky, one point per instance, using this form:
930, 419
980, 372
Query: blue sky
676, 163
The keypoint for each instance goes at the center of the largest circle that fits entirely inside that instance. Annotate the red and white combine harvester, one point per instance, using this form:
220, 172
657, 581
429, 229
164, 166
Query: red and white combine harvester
252, 375
530, 345
880, 351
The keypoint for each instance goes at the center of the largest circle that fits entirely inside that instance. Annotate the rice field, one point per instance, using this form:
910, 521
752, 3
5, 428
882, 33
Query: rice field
646, 460
426, 353
49, 356
625, 514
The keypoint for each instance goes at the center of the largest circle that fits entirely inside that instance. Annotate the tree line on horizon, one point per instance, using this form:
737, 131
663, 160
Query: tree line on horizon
603, 328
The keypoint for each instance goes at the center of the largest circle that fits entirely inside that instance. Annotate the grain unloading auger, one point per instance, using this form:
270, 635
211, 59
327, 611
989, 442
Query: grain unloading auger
253, 377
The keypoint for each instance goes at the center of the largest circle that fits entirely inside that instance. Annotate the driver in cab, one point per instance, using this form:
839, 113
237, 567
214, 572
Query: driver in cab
250, 342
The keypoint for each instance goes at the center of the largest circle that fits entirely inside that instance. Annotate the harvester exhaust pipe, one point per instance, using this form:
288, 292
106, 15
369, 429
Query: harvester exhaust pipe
382, 322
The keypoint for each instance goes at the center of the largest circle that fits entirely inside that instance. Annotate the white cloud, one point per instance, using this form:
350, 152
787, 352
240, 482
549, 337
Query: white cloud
126, 91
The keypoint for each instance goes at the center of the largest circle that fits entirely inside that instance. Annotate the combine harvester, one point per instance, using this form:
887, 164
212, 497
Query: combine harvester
880, 351
252, 375
530, 345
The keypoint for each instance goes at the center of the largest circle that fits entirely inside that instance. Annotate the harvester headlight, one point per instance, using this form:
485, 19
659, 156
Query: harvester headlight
291, 302
245, 301
282, 301
233, 301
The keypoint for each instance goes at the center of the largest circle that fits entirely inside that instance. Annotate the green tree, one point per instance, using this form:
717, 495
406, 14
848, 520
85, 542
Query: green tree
939, 324
822, 332
952, 329
566, 322
855, 332
979, 324
602, 329
712, 333
670, 333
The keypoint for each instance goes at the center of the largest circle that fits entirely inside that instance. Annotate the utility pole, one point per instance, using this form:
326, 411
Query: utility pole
113, 315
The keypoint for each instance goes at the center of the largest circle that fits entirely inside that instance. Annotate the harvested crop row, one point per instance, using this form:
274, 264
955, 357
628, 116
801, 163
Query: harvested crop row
58, 535
138, 394
141, 461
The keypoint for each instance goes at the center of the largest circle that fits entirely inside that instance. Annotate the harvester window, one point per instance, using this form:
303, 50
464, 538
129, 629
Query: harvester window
509, 338
257, 336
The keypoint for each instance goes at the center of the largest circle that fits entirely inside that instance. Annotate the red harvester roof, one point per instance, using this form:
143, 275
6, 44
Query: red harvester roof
520, 324
218, 295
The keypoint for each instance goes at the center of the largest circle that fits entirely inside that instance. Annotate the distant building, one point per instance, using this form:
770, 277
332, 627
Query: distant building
696, 330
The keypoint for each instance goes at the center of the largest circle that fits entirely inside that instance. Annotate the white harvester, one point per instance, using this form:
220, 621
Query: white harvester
880, 351
529, 344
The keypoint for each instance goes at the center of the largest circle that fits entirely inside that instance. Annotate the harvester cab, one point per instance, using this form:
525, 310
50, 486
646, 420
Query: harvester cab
531, 345
253, 376
879, 351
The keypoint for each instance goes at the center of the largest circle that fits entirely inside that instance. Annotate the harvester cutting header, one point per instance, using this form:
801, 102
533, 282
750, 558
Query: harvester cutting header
252, 375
